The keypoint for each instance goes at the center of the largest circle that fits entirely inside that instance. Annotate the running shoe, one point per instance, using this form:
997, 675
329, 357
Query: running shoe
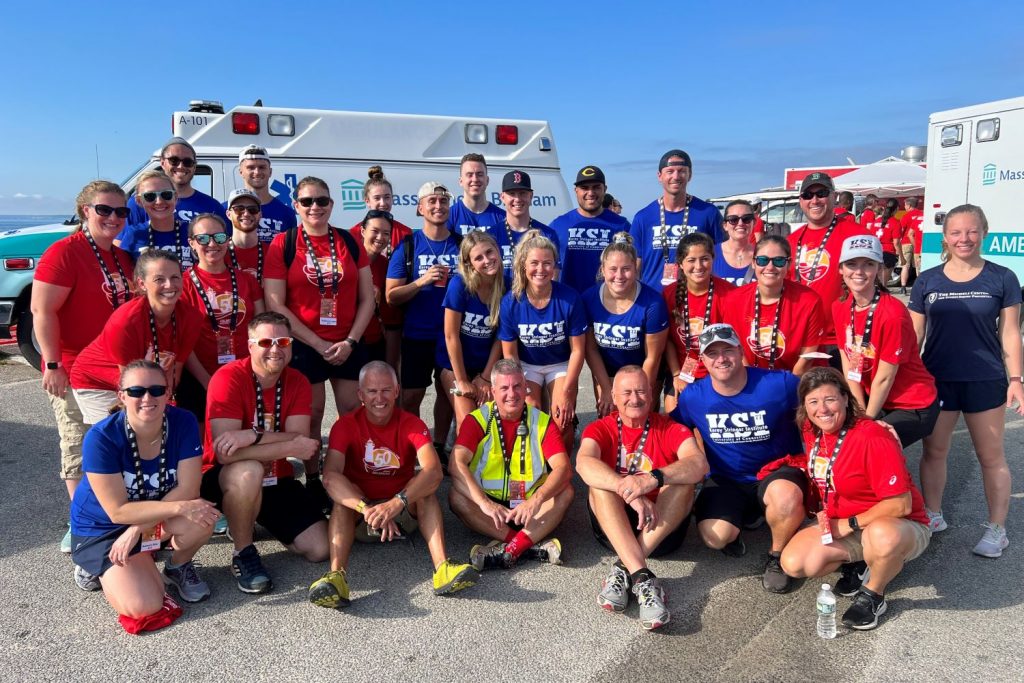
65, 543
549, 551
614, 595
864, 612
936, 522
854, 574
735, 549
85, 580
249, 572
755, 523
186, 579
774, 580
651, 598
993, 542
451, 577
330, 590
491, 556
221, 527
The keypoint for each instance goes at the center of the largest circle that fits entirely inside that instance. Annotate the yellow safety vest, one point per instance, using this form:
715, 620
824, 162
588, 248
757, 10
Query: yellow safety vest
488, 465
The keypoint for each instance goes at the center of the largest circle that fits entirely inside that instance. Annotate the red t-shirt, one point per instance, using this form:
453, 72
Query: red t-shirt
471, 434
379, 459
825, 281
698, 306
870, 467
912, 221
801, 323
303, 294
389, 315
893, 341
127, 337
757, 231
867, 218
845, 215
70, 262
248, 260
217, 290
662, 447
232, 395
888, 234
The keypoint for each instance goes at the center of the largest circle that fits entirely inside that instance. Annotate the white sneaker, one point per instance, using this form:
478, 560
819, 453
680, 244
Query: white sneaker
993, 542
936, 522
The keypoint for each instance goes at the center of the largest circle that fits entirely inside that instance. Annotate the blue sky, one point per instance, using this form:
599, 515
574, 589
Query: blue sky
747, 88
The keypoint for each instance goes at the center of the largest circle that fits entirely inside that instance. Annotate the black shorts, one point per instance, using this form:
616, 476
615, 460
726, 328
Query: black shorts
511, 525
92, 553
375, 350
191, 396
889, 259
972, 397
419, 366
285, 511
669, 544
317, 370
740, 503
912, 425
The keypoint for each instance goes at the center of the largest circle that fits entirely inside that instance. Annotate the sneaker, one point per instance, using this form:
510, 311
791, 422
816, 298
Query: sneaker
993, 542
864, 612
85, 580
549, 551
935, 521
318, 494
330, 590
651, 597
755, 523
221, 527
186, 579
774, 580
735, 549
451, 578
249, 572
491, 556
65, 543
614, 595
854, 574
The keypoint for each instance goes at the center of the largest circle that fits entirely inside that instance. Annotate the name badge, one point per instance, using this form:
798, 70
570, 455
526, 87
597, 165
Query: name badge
516, 493
151, 538
689, 367
270, 473
670, 273
225, 350
328, 312
856, 363
820, 468
825, 527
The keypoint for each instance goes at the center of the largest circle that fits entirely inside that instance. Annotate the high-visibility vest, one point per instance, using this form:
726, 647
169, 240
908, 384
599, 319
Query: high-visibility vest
488, 465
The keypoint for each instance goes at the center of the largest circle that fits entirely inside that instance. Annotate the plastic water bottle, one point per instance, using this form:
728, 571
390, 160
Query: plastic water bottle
826, 612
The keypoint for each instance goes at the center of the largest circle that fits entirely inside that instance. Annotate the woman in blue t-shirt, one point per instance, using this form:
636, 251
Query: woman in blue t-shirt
967, 313
141, 491
469, 347
734, 258
628, 321
543, 326
163, 230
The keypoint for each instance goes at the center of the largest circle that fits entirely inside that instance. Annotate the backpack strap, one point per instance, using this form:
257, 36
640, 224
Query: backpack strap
291, 236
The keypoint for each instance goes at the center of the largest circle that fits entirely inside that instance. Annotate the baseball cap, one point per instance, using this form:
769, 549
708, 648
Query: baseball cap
253, 152
719, 332
866, 246
590, 174
177, 141
431, 187
675, 153
242, 192
516, 180
817, 178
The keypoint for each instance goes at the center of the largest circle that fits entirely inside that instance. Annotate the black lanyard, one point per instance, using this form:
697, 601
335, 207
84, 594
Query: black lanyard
259, 260
106, 271
774, 346
152, 331
865, 338
316, 261
633, 462
817, 254
206, 301
664, 228
686, 311
521, 434
161, 477
829, 483
177, 241
508, 232
260, 410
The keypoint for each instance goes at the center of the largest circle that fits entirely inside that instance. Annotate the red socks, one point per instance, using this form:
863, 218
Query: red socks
510, 535
518, 545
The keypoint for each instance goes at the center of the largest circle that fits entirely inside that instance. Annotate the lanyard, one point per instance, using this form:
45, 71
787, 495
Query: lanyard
259, 260
774, 348
260, 410
865, 338
521, 433
106, 271
686, 312
151, 235
161, 476
206, 301
829, 483
508, 231
634, 461
316, 261
156, 339
817, 254
664, 228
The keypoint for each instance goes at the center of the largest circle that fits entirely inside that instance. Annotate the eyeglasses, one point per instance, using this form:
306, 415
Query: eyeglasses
746, 219
104, 210
811, 194
150, 197
179, 161
251, 209
716, 333
204, 240
267, 342
777, 261
156, 391
310, 201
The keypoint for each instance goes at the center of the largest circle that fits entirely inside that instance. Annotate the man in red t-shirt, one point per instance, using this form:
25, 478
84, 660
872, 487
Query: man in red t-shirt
911, 244
844, 207
642, 469
247, 252
257, 416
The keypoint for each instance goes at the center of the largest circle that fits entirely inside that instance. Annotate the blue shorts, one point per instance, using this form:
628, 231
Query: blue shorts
317, 370
972, 397
92, 553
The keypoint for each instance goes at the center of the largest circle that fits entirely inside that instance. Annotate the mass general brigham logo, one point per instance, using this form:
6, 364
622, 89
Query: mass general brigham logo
352, 195
988, 174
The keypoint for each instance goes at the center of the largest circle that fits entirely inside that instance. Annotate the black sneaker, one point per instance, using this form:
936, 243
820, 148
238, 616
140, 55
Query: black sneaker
864, 612
315, 489
735, 549
854, 576
774, 580
249, 572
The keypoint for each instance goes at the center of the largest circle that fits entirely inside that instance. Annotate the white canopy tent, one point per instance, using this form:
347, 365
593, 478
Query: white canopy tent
889, 177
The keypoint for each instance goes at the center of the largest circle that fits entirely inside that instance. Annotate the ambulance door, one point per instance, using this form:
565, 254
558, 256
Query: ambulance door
996, 182
949, 158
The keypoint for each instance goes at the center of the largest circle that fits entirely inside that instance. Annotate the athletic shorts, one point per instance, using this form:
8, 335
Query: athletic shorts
71, 430
853, 545
191, 396
741, 503
908, 251
544, 374
95, 404
912, 425
407, 524
285, 511
669, 544
375, 350
505, 503
890, 259
306, 360
92, 553
972, 397
419, 368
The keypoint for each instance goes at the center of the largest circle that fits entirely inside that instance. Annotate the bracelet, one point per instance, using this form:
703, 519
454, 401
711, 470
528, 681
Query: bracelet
481, 377
361, 506
402, 497
1016, 378
351, 342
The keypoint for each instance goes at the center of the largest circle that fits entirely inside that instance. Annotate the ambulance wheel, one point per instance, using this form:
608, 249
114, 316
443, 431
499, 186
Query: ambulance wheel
27, 342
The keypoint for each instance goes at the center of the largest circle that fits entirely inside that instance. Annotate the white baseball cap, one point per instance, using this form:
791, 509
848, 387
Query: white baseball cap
861, 246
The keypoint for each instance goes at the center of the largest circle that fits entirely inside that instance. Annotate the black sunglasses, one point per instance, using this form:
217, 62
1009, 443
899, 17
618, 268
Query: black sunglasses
378, 213
150, 197
251, 209
746, 219
777, 261
710, 334
104, 210
204, 240
310, 201
155, 391
179, 161
811, 194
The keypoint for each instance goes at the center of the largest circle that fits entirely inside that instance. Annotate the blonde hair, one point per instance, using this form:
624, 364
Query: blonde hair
89, 192
533, 239
474, 280
622, 243
967, 209
156, 173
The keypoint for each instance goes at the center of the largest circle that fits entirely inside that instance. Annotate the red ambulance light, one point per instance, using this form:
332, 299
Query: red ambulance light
243, 123
506, 135
19, 263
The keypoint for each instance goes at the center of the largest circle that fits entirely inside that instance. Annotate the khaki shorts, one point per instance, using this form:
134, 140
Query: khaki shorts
908, 251
71, 430
95, 404
922, 536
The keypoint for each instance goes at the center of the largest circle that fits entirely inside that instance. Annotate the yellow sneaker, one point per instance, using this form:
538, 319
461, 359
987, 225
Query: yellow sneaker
330, 590
451, 577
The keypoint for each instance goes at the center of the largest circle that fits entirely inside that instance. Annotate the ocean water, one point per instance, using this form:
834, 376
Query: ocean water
9, 222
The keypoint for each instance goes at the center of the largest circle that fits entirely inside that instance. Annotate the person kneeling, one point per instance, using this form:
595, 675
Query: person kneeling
369, 471
510, 475
642, 469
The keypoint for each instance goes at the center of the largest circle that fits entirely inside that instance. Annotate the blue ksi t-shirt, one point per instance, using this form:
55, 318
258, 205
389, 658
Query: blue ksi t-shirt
135, 238
424, 315
582, 239
656, 244
475, 333
721, 268
502, 233
543, 335
462, 221
621, 338
185, 209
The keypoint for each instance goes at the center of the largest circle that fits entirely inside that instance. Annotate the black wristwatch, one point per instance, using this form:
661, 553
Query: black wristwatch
853, 523
53, 365
402, 497
659, 476
258, 433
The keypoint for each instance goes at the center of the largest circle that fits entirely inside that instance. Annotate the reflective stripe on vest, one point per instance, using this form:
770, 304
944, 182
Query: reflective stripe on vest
489, 471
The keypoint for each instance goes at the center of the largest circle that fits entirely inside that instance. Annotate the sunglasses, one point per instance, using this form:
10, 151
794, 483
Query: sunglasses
777, 261
104, 210
310, 201
150, 197
267, 342
251, 209
178, 161
378, 213
811, 194
716, 333
155, 391
745, 219
204, 240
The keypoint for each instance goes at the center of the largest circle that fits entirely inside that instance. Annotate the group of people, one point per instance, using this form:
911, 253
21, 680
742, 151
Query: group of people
769, 358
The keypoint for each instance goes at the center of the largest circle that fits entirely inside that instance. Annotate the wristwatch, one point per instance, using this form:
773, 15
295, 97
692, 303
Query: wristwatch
402, 497
259, 434
854, 526
351, 342
361, 506
1013, 378
659, 476
53, 365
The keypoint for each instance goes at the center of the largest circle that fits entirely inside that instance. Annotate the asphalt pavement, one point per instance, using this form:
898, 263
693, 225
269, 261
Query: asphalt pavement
952, 616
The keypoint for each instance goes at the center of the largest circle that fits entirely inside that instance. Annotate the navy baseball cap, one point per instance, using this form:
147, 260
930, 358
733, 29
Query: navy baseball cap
675, 153
516, 180
590, 174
